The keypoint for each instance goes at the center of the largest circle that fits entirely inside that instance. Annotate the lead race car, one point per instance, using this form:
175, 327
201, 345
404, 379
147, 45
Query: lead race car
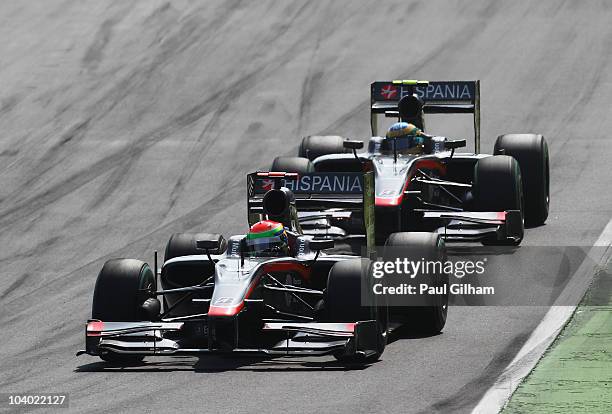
422, 183
274, 290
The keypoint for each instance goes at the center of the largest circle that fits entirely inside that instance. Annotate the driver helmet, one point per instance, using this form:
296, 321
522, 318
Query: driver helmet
408, 139
267, 238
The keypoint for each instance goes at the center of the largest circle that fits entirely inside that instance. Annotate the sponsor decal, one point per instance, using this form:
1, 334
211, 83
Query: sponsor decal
388, 92
267, 184
318, 183
233, 247
445, 91
434, 91
301, 246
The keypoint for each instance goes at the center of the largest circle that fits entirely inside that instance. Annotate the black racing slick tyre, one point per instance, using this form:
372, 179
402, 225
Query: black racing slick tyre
343, 302
531, 152
317, 145
293, 165
429, 248
122, 287
184, 244
498, 187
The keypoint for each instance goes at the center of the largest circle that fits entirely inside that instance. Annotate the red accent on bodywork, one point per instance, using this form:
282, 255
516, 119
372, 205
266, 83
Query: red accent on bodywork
501, 215
234, 309
225, 310
299, 268
430, 164
350, 327
94, 328
389, 201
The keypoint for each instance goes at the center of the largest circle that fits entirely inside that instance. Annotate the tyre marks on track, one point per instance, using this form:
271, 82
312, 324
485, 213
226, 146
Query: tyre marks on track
123, 157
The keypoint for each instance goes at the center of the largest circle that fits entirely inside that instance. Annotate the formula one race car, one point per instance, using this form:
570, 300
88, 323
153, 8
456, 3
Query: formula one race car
463, 196
273, 291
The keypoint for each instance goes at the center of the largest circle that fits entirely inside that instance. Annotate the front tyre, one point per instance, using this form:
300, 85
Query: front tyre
429, 248
498, 187
122, 287
343, 302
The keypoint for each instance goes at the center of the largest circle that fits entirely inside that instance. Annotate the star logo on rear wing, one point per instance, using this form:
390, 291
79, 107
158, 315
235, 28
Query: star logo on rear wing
388, 92
267, 185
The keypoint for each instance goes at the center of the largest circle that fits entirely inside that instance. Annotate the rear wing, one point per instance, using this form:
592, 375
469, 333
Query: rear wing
439, 97
318, 192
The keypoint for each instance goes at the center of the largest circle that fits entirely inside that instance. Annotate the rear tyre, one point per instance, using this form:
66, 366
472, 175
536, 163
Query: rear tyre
293, 165
317, 145
429, 247
531, 152
121, 289
184, 244
498, 187
343, 303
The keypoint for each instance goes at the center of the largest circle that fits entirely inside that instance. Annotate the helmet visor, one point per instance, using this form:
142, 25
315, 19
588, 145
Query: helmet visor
402, 143
275, 246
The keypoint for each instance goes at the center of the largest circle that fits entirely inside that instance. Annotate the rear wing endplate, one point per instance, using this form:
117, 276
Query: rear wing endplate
439, 97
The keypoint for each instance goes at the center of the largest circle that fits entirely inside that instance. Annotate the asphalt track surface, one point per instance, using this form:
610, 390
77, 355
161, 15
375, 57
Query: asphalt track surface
123, 122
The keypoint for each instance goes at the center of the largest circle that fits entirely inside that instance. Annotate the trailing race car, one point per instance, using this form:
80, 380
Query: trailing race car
273, 290
422, 183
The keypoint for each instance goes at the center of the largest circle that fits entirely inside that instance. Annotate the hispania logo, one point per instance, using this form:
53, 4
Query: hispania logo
332, 183
445, 91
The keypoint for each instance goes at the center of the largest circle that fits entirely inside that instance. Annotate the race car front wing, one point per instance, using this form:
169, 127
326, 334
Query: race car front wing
474, 226
301, 338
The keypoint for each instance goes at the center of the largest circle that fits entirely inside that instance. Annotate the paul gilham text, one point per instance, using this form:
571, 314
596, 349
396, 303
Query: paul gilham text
424, 288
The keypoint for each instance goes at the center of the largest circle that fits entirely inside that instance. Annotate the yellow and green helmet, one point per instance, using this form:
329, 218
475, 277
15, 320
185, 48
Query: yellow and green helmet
403, 136
401, 129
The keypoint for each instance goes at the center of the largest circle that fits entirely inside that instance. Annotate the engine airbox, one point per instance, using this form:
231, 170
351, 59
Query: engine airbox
276, 202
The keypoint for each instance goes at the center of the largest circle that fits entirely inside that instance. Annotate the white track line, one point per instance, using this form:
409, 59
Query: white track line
545, 333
